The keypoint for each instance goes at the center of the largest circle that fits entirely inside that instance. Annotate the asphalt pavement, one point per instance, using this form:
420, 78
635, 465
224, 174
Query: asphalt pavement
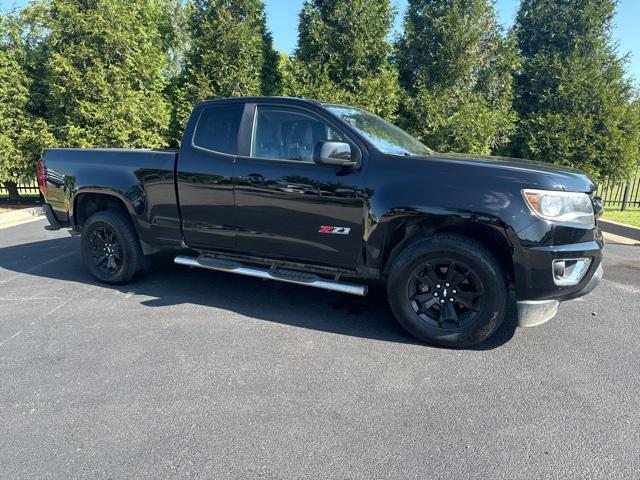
199, 374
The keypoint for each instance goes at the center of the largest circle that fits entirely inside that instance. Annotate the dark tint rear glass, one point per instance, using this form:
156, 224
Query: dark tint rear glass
218, 127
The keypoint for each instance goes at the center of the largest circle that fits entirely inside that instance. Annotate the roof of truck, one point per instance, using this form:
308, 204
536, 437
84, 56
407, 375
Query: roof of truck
261, 99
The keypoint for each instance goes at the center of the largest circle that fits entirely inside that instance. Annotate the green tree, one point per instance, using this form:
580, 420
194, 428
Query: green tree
230, 54
271, 76
455, 68
106, 73
22, 134
173, 31
573, 99
343, 55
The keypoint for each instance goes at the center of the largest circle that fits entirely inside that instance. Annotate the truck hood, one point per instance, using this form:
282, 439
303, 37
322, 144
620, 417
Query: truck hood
558, 178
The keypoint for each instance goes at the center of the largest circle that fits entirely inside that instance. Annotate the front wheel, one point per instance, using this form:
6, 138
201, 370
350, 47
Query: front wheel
110, 248
448, 290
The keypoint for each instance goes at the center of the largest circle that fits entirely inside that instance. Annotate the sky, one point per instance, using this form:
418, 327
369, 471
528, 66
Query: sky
282, 17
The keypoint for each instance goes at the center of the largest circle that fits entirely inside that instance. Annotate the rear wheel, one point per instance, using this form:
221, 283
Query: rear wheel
448, 290
110, 248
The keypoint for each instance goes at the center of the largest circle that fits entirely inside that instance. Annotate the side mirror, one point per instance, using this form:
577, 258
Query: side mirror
333, 153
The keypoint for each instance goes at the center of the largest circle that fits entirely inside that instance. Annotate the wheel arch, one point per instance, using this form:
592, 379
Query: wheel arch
404, 231
86, 202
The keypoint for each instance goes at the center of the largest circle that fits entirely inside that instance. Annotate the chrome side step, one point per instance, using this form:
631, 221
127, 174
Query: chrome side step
279, 274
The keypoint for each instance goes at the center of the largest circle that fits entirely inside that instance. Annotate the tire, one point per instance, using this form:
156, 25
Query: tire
456, 304
110, 248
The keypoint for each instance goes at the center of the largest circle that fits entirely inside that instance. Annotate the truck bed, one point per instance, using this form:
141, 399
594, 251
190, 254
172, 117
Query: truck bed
142, 178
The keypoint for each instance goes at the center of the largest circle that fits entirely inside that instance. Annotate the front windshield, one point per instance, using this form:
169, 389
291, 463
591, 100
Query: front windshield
385, 136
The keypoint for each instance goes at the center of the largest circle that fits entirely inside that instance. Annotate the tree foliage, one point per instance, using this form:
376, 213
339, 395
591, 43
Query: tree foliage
230, 54
455, 67
105, 75
270, 76
23, 134
173, 30
573, 100
343, 55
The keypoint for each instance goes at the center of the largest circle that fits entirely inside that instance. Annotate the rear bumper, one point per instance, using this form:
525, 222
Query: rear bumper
51, 218
537, 312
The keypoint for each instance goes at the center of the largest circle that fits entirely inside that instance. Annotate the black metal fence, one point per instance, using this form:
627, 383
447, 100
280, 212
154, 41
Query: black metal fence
616, 195
25, 188
621, 195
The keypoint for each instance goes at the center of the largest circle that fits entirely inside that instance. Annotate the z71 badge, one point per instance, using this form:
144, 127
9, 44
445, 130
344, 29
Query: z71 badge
335, 230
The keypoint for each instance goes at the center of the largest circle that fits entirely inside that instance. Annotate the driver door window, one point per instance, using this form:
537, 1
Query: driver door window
288, 134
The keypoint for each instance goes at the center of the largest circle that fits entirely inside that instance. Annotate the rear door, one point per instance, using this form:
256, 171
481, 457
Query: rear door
287, 206
205, 176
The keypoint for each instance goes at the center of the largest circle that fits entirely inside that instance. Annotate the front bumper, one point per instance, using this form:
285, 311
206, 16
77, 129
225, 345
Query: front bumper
534, 269
589, 287
537, 312
538, 289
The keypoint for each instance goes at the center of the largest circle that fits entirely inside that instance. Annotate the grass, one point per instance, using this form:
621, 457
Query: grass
630, 217
24, 196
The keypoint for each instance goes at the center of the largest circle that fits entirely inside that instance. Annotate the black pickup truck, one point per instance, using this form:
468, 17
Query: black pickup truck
331, 196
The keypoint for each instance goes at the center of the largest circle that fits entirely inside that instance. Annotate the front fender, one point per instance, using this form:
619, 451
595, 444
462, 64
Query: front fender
399, 227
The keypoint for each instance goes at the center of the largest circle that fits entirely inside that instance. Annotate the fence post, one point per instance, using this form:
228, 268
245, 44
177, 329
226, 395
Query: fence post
625, 195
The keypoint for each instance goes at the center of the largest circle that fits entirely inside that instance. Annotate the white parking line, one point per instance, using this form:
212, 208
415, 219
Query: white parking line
622, 286
27, 299
33, 324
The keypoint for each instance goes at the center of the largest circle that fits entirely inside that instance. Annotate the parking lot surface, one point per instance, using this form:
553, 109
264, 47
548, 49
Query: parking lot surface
198, 374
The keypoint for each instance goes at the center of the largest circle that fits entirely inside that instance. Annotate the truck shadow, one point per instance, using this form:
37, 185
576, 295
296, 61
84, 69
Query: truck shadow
170, 285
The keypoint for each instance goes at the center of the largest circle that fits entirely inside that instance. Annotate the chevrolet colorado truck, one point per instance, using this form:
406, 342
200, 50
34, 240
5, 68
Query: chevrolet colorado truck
334, 197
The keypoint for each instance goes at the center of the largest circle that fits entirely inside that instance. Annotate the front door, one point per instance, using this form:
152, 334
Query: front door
287, 206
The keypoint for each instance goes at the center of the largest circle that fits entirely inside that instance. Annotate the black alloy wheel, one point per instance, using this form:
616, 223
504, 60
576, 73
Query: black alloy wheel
106, 250
111, 249
446, 293
449, 290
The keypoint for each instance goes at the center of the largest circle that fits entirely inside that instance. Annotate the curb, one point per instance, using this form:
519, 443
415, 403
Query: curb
620, 229
24, 215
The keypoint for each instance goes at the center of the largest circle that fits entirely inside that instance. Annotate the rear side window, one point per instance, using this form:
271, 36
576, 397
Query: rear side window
217, 129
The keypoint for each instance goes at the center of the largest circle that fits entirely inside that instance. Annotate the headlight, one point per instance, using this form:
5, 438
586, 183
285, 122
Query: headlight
561, 207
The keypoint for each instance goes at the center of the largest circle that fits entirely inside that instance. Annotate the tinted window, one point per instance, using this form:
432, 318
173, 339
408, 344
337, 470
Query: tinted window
288, 134
217, 128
